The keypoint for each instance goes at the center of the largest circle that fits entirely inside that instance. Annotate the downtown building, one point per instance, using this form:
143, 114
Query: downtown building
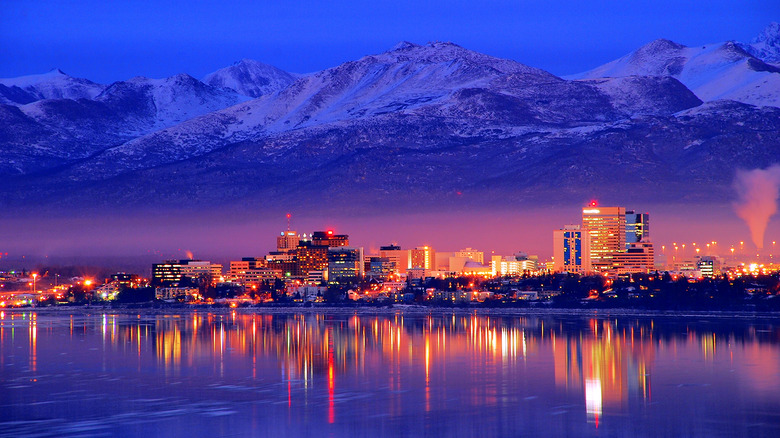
423, 257
518, 264
312, 254
399, 258
345, 265
606, 227
172, 272
638, 257
572, 250
619, 240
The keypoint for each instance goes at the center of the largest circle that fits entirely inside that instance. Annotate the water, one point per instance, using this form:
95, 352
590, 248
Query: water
392, 374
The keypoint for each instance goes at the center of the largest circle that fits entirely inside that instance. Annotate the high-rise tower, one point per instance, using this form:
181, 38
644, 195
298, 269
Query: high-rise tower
607, 229
571, 249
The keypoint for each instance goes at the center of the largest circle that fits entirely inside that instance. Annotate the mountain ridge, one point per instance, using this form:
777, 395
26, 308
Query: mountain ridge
421, 125
727, 70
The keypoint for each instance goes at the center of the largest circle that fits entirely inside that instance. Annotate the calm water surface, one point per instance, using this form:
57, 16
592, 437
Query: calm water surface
444, 374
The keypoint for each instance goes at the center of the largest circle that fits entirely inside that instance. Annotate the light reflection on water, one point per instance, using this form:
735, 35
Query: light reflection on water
445, 374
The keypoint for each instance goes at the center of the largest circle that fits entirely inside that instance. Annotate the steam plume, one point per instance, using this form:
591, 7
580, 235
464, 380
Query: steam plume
758, 192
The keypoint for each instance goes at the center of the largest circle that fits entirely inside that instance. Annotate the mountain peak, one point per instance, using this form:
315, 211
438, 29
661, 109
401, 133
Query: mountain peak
448, 53
442, 44
771, 34
250, 78
54, 84
660, 45
182, 77
248, 62
403, 45
766, 46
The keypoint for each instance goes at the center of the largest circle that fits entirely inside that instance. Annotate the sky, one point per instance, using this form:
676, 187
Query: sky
106, 41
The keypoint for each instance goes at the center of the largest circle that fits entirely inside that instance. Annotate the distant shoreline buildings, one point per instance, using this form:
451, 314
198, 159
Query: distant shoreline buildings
610, 244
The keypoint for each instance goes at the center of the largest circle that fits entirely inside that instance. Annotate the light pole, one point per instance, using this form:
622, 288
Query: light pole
35, 276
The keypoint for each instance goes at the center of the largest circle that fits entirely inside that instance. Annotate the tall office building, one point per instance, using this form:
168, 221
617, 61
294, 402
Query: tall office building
345, 264
167, 273
607, 229
637, 227
422, 257
171, 272
572, 249
400, 258
329, 239
312, 254
638, 258
379, 267
311, 257
287, 242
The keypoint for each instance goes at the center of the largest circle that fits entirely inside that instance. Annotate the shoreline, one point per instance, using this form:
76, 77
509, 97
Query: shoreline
413, 310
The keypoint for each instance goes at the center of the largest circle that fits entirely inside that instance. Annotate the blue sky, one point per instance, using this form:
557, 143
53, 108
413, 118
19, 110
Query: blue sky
114, 40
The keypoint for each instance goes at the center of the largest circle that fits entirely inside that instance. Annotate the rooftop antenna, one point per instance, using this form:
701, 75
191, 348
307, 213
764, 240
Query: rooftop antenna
289, 216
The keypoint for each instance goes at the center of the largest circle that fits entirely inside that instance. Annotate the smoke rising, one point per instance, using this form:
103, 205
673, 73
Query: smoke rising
758, 193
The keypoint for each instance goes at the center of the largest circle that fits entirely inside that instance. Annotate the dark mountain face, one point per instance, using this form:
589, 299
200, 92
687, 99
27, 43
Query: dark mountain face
14, 96
415, 127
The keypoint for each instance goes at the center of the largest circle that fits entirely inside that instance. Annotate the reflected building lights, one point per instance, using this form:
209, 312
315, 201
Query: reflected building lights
593, 400
606, 363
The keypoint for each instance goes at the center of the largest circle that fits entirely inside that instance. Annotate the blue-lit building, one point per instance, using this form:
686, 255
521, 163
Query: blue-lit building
571, 249
637, 227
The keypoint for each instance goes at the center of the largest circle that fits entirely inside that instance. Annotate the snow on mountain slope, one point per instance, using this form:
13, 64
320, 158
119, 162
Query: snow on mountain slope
250, 78
766, 46
404, 78
416, 124
408, 86
712, 72
125, 110
646, 95
159, 103
54, 85
400, 81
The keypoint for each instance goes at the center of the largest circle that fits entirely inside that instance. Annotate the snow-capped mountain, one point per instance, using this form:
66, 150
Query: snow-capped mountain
712, 71
250, 78
160, 103
436, 83
418, 125
52, 85
65, 130
766, 46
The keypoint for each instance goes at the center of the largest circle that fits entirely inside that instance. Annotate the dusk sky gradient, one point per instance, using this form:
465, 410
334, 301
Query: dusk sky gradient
110, 41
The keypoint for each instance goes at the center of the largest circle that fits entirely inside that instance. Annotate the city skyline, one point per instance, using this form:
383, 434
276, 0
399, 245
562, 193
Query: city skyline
486, 231
389, 218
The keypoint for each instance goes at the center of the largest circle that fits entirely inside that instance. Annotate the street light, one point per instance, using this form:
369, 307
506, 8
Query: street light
35, 276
